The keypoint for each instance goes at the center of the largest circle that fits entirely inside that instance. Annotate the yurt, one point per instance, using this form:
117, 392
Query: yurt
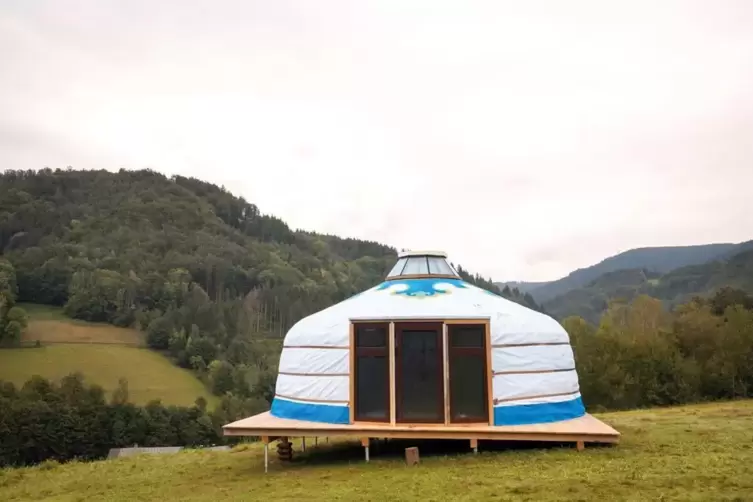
426, 355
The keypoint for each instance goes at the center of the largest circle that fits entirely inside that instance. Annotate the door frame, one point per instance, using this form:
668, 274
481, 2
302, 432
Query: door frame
443, 323
438, 328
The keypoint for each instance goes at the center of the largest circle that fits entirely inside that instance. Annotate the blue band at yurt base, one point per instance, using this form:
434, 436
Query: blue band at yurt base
524, 414
503, 415
282, 408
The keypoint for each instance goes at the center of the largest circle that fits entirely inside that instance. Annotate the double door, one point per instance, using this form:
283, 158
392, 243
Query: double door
433, 382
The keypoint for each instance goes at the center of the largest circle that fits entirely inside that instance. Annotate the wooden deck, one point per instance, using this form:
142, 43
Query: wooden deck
585, 429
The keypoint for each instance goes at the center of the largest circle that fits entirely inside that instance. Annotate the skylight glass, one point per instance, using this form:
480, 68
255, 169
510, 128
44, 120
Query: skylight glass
416, 265
398, 268
422, 265
439, 266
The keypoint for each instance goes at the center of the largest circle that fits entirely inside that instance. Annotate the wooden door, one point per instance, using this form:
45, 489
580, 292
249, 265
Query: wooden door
419, 379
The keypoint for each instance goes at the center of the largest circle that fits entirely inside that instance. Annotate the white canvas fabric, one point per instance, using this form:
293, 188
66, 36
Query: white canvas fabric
522, 340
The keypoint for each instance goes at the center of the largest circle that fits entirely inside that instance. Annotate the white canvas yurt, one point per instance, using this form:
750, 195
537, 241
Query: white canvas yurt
425, 347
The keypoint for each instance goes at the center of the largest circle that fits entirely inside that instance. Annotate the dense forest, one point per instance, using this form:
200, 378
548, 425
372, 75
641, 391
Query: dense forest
213, 282
642, 355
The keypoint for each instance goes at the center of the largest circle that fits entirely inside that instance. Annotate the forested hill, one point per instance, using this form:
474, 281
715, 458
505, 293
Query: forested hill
141, 223
674, 287
652, 259
210, 278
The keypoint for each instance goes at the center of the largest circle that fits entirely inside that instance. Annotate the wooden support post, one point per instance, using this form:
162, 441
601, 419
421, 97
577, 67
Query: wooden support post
580, 446
365, 444
266, 453
316, 440
303, 444
474, 445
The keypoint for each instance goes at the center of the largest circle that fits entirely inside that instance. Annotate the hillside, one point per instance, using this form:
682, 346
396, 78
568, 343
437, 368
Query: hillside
676, 286
684, 453
212, 281
103, 353
652, 259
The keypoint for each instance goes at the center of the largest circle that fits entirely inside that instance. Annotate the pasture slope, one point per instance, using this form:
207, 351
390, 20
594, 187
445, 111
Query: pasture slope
103, 354
688, 453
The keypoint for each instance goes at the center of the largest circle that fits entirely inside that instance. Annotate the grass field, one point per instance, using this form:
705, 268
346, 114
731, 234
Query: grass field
102, 353
150, 375
49, 325
688, 453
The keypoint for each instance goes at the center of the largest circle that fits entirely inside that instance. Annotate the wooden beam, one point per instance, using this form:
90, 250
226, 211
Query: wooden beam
393, 394
352, 377
484, 320
446, 372
489, 374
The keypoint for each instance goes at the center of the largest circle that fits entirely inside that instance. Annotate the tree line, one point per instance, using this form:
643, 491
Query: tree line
13, 319
642, 355
44, 420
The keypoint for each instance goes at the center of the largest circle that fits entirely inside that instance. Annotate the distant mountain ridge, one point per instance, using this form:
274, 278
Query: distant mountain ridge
660, 259
677, 286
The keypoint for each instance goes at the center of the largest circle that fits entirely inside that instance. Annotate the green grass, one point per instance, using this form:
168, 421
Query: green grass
102, 353
150, 375
55, 331
46, 312
688, 453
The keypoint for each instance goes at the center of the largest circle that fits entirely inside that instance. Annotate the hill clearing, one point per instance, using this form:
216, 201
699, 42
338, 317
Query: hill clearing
700, 452
49, 325
103, 354
149, 374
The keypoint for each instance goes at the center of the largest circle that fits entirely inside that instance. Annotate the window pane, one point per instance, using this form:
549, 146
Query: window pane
467, 336
371, 336
416, 265
398, 268
372, 387
467, 388
420, 390
439, 266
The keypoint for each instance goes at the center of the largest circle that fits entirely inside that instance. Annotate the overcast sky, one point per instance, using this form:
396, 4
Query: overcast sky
526, 139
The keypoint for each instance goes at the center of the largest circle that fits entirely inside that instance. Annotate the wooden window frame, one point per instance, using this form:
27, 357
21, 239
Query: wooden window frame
355, 352
481, 353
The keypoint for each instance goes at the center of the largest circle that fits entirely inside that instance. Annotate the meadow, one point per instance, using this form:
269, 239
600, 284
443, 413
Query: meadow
103, 354
689, 453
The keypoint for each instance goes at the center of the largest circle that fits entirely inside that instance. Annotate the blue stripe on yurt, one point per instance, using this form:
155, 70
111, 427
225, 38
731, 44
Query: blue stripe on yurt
282, 408
524, 414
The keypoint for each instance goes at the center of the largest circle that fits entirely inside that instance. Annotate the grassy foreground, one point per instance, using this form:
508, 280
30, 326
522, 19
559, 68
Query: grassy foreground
687, 453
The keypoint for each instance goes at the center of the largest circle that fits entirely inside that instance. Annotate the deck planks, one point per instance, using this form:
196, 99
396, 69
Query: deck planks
587, 429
